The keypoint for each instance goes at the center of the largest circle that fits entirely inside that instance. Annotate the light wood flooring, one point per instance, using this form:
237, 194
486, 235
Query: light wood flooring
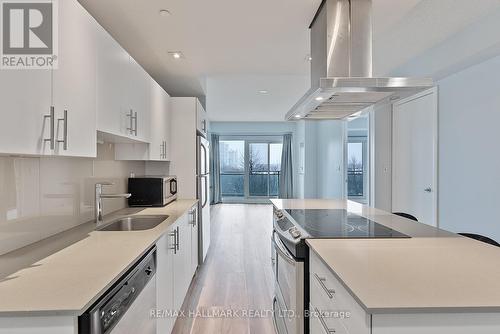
237, 273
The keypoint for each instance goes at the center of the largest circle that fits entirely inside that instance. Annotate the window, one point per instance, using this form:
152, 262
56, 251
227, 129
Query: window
250, 168
232, 168
357, 168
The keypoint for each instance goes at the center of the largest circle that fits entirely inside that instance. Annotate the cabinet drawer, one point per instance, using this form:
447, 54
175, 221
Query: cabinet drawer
327, 293
322, 322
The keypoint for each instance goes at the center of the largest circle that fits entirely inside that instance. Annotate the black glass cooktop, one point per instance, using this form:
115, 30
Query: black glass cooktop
339, 223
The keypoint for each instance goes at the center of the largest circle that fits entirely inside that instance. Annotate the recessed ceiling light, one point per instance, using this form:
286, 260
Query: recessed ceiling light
263, 91
308, 58
176, 54
319, 98
297, 116
164, 12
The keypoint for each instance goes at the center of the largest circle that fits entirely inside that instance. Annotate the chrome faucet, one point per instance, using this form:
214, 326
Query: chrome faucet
99, 196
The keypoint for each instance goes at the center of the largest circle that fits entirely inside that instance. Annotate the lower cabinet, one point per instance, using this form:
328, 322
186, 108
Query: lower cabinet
175, 268
334, 310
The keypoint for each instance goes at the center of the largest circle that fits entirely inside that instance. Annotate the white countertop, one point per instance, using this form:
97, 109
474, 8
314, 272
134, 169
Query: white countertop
434, 271
70, 280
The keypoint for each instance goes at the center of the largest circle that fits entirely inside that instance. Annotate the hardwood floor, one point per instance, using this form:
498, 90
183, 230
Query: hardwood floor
236, 277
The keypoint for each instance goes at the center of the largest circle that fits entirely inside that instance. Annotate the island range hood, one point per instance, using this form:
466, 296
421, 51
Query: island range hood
342, 85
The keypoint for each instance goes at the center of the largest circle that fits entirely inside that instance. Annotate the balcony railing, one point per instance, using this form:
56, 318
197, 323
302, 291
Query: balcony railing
260, 184
355, 183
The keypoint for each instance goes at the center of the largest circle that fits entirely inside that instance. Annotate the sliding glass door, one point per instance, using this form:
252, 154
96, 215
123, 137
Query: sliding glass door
232, 168
250, 168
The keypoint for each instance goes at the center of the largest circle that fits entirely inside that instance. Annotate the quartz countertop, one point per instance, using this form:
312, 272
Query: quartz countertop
434, 271
72, 278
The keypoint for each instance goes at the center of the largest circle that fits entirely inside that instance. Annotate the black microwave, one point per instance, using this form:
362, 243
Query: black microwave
152, 190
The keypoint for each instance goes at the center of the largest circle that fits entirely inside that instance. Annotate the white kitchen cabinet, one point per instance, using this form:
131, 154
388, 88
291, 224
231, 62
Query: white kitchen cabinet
201, 119
74, 82
165, 280
193, 217
183, 146
158, 148
112, 104
175, 267
182, 261
27, 96
327, 294
123, 92
138, 92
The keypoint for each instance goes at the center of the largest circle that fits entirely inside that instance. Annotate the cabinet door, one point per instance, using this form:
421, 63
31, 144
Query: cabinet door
158, 148
112, 82
165, 280
194, 239
25, 97
139, 97
182, 261
201, 119
74, 82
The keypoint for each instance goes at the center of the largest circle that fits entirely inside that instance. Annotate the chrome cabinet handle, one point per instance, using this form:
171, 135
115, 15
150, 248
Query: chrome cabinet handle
175, 234
204, 125
135, 123
321, 281
52, 127
323, 323
65, 130
428, 190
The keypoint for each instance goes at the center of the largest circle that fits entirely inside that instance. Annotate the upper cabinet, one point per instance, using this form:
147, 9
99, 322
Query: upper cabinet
74, 82
96, 86
159, 147
52, 111
122, 91
201, 119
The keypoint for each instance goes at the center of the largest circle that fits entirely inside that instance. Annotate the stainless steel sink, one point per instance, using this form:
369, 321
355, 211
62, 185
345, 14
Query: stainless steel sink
134, 223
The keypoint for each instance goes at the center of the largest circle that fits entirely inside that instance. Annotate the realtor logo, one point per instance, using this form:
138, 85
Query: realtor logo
29, 34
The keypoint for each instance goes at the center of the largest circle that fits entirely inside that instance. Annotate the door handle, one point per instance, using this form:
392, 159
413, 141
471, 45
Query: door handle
51, 117
65, 130
206, 192
428, 190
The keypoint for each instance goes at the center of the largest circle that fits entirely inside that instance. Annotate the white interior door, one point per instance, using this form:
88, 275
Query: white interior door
414, 178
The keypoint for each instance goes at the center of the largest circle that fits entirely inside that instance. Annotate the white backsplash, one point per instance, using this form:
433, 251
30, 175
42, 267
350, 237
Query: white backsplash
42, 196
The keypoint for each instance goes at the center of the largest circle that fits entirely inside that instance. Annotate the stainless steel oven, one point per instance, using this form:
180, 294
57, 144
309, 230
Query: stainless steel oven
288, 303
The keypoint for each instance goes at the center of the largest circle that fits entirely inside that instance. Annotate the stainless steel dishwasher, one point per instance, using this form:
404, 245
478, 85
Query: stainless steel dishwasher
126, 307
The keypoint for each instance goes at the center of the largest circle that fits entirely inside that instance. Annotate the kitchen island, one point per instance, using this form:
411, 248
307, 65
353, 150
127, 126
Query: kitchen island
433, 282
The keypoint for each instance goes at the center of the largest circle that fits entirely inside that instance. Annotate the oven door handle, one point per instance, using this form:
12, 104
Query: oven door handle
280, 248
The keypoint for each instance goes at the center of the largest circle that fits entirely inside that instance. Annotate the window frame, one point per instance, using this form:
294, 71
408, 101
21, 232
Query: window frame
252, 139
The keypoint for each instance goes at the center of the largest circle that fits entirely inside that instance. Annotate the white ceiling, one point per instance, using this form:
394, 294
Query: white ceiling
234, 48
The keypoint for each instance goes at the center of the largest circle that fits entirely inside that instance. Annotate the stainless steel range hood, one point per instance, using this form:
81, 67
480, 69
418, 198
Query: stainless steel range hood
342, 85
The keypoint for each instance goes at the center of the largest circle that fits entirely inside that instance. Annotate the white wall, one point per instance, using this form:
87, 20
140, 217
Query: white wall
381, 158
323, 159
469, 150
